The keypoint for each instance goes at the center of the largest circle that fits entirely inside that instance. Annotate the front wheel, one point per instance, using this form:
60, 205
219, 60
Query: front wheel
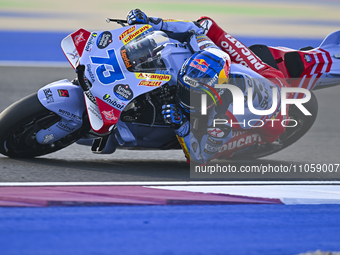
22, 120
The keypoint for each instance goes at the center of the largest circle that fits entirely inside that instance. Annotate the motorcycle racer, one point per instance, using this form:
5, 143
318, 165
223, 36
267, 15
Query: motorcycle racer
210, 65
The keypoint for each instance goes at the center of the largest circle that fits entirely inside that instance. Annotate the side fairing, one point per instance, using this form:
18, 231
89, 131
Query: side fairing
66, 100
63, 98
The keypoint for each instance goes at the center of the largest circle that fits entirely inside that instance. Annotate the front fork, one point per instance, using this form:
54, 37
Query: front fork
66, 100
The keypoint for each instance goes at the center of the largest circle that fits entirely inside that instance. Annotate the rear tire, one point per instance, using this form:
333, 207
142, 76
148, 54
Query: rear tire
292, 134
22, 120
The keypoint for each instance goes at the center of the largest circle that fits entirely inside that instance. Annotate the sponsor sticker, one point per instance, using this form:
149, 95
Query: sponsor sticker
104, 39
90, 42
153, 76
245, 140
89, 70
191, 82
203, 41
213, 80
69, 115
125, 58
194, 146
216, 132
114, 102
162, 72
127, 32
210, 149
200, 64
308, 58
150, 83
90, 97
73, 55
48, 95
109, 115
206, 45
136, 33
211, 140
64, 127
123, 92
175, 20
79, 38
63, 93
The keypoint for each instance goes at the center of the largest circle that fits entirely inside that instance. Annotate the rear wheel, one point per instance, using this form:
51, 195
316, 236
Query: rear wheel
292, 134
304, 123
22, 120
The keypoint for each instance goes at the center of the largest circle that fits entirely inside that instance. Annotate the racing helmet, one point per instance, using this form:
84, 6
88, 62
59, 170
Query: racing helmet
199, 75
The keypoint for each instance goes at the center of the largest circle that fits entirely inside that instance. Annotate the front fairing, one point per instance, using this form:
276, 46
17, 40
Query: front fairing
112, 84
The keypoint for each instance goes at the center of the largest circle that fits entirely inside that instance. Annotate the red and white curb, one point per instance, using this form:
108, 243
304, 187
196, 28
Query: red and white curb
42, 194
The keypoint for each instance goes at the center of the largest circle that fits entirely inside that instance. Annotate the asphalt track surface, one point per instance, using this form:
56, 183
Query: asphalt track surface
227, 229
77, 163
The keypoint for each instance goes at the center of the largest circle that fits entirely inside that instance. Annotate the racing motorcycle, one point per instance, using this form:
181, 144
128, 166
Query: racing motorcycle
125, 76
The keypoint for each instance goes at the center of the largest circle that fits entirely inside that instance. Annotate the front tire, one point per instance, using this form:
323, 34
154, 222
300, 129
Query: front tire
22, 120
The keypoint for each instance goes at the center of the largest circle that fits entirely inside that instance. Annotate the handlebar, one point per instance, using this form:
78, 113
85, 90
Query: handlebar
119, 21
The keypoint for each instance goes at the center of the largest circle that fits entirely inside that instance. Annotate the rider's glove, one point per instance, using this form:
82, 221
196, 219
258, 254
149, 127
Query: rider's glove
137, 17
173, 116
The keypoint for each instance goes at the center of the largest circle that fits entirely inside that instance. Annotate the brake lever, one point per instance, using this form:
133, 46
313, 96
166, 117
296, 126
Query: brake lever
119, 21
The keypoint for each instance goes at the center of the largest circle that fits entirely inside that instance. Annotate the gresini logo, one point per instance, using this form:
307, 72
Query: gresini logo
79, 38
109, 115
238, 100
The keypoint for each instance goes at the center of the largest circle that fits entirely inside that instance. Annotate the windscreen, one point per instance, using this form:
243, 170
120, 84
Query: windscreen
139, 55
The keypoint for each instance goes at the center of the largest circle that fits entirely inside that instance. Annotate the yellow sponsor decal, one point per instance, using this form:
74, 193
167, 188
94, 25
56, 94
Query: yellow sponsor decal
175, 20
150, 83
136, 33
126, 32
184, 147
153, 76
